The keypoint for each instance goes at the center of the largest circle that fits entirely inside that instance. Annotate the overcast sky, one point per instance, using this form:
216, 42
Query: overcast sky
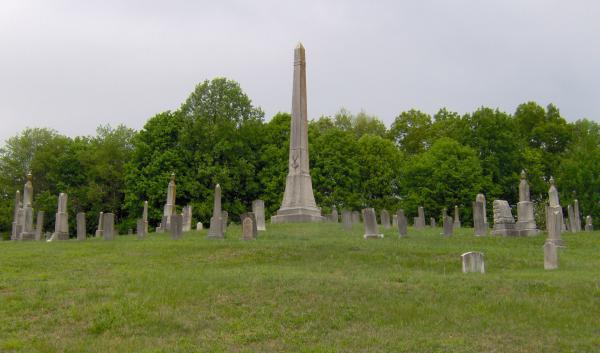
73, 65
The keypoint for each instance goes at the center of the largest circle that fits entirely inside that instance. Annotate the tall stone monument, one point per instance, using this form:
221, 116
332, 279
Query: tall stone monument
61, 227
479, 215
577, 215
187, 218
27, 231
525, 225
456, 224
554, 230
81, 228
100, 229
108, 226
216, 221
258, 208
504, 223
16, 230
419, 221
298, 200
169, 208
145, 219
402, 223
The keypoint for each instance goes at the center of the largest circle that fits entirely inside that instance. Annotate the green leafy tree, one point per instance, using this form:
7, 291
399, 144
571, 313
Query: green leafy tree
411, 131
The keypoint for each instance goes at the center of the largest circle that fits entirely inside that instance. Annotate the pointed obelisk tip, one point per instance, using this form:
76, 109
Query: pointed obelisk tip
299, 46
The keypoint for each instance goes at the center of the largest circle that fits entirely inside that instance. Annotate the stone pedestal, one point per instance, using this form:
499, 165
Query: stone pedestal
554, 218
525, 225
28, 233
61, 229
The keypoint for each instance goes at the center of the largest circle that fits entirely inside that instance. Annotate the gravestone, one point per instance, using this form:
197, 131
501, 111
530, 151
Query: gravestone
480, 223
550, 256
176, 226
145, 218
347, 220
252, 217
577, 215
504, 223
355, 217
394, 221
216, 221
39, 227
100, 229
298, 203
571, 225
554, 228
225, 218
248, 228
456, 223
589, 226
385, 219
432, 222
371, 229
108, 226
448, 226
27, 231
555, 224
419, 221
140, 229
258, 208
81, 230
16, 230
61, 229
199, 226
334, 215
402, 223
525, 225
473, 262
187, 218
169, 209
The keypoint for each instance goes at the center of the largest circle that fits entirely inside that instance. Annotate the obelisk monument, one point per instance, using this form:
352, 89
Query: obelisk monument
298, 200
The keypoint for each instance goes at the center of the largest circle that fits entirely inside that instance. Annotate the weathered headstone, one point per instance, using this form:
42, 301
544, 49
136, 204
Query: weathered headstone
334, 215
252, 217
176, 226
432, 222
589, 226
525, 225
298, 200
550, 256
169, 209
27, 231
216, 221
504, 223
225, 218
554, 223
385, 219
394, 220
140, 228
248, 229
187, 218
572, 225
39, 226
108, 226
145, 218
16, 230
473, 262
61, 229
371, 229
448, 226
100, 229
456, 223
81, 230
554, 228
199, 226
355, 217
402, 223
577, 215
419, 221
479, 216
346, 219
258, 208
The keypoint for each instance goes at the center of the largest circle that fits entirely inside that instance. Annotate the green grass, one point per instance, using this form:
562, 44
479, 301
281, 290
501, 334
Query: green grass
299, 288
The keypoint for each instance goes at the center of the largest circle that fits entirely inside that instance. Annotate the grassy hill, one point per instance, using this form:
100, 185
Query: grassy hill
299, 288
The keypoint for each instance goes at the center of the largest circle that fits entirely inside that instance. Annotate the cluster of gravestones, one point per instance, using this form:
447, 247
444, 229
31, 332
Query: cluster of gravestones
175, 224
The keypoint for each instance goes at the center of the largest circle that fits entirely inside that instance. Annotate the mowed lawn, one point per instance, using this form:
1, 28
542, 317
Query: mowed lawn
299, 288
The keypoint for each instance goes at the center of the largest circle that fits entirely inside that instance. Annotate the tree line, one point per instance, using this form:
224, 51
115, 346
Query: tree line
219, 136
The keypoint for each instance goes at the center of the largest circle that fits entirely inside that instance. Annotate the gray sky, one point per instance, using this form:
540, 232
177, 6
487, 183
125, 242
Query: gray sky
73, 65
